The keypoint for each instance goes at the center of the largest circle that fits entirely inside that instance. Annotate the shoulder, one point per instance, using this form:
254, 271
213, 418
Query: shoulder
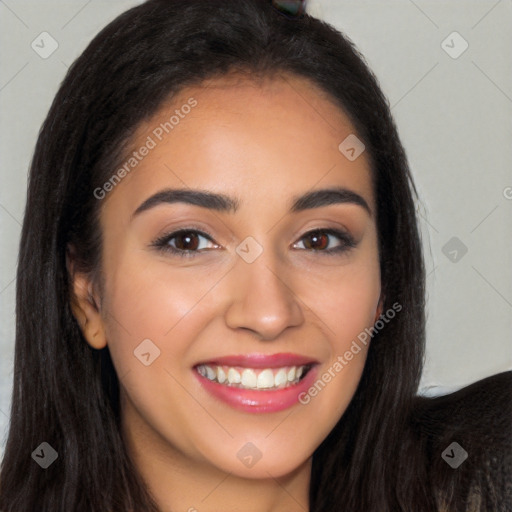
466, 437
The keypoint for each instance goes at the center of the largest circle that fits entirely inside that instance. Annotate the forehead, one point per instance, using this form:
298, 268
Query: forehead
259, 136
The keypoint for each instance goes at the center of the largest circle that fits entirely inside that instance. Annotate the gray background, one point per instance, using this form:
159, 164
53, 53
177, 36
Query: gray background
453, 116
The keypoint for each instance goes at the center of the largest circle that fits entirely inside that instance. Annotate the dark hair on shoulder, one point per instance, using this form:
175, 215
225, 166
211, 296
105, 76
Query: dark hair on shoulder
478, 418
65, 392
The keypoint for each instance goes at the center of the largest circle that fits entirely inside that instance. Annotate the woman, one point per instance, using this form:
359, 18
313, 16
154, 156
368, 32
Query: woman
221, 287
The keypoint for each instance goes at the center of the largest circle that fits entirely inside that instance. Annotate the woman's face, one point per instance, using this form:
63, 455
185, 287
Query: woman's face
275, 272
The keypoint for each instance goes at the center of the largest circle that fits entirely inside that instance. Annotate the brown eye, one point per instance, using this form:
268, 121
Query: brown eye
186, 241
326, 241
316, 241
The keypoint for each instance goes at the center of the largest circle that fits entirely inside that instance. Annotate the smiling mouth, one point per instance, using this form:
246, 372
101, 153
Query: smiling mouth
254, 378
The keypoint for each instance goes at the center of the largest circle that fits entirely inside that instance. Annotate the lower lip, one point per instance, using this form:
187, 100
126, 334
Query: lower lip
250, 400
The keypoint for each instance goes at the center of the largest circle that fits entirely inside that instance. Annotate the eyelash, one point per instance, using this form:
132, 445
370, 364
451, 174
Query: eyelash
162, 243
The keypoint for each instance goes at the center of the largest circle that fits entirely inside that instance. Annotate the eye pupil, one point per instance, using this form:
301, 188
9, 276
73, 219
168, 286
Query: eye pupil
186, 241
317, 241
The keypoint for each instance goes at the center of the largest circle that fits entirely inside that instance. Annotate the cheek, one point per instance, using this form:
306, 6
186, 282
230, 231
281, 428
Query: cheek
346, 305
152, 309
146, 298
354, 304
345, 300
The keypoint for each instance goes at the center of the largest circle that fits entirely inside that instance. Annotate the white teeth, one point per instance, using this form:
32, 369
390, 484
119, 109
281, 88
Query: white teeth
221, 375
250, 378
210, 373
265, 379
233, 376
281, 377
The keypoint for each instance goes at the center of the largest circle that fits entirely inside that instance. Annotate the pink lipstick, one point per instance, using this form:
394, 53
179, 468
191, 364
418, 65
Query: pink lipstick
257, 382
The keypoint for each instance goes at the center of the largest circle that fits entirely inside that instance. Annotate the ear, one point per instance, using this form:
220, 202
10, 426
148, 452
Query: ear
85, 304
380, 307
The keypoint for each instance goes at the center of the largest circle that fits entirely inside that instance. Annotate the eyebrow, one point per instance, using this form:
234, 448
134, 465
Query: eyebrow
329, 196
226, 204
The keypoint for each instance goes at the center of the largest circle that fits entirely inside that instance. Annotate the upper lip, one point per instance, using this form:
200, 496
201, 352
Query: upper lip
260, 360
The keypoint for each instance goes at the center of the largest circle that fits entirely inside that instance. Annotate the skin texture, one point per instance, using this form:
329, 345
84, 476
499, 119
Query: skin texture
264, 143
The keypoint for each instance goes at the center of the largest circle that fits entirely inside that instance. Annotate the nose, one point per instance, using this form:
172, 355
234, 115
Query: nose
262, 301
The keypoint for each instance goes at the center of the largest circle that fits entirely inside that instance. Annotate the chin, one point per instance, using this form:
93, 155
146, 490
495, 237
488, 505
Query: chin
260, 460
